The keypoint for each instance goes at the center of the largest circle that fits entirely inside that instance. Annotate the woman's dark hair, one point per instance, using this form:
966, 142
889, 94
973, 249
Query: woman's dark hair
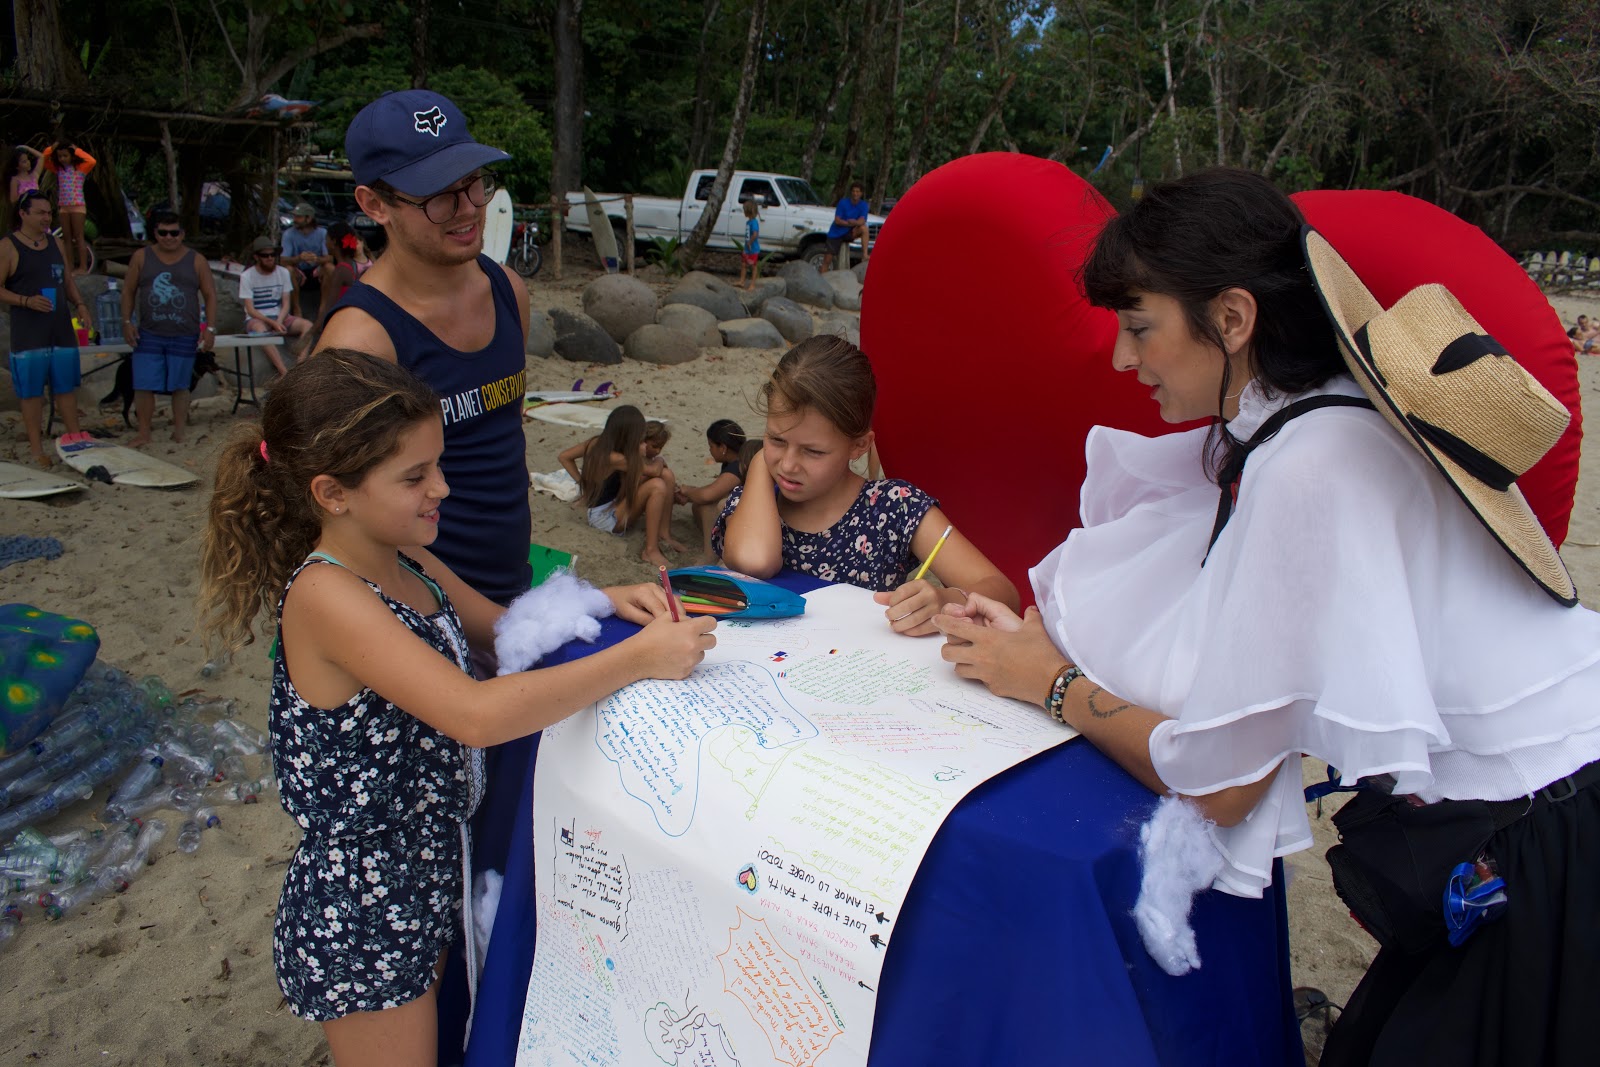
727, 433
1221, 229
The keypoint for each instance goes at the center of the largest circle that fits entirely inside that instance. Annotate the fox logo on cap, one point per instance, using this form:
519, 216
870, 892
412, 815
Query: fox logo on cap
431, 121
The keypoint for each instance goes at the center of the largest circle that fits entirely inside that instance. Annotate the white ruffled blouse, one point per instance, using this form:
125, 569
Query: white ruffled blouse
1353, 610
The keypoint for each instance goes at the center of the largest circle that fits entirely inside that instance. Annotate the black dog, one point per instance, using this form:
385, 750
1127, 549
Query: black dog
204, 363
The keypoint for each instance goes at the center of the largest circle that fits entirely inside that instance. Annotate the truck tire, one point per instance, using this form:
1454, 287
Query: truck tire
813, 250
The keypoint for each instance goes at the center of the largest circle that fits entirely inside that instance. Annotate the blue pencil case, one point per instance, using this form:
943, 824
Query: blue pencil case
728, 594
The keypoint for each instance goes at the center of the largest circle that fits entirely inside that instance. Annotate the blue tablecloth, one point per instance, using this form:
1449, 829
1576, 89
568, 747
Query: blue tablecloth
1015, 946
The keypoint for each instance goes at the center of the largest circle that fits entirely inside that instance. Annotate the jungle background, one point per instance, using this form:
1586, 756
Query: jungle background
1490, 108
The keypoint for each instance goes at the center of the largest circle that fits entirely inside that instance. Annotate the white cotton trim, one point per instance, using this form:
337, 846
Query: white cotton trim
538, 622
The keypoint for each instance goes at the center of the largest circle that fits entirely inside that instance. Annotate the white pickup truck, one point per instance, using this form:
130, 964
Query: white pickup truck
794, 220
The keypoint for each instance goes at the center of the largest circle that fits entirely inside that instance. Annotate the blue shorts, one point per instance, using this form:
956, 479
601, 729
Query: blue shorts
163, 364
30, 371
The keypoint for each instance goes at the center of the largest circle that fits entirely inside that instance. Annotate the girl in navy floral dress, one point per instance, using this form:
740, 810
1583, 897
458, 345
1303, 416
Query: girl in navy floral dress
802, 507
376, 718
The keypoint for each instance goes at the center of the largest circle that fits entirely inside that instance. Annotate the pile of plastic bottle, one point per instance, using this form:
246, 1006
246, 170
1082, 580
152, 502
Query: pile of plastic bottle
187, 758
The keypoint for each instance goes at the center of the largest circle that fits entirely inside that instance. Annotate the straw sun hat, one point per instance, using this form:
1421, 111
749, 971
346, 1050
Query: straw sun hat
1457, 395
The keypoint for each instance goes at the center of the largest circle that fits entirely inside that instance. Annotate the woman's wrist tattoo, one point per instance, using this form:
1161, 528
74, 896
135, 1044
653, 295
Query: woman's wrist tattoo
1102, 705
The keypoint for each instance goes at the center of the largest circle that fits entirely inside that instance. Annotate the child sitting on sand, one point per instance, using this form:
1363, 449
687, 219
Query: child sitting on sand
724, 439
802, 507
344, 471
618, 484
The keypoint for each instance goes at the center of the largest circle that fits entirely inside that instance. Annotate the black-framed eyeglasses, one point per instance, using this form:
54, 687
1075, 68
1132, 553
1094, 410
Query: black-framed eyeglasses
169, 233
442, 207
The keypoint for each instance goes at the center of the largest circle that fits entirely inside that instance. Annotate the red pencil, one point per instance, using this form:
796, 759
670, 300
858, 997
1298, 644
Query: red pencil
666, 586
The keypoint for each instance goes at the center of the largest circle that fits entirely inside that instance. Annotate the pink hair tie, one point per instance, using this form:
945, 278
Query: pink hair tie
264, 458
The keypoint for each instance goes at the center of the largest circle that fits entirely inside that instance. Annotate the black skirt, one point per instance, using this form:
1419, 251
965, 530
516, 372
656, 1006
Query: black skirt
1524, 990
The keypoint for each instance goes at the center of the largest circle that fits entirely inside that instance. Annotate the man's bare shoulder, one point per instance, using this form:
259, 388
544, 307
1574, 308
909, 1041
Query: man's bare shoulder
355, 329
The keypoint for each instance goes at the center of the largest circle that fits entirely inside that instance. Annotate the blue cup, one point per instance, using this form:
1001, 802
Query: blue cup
50, 295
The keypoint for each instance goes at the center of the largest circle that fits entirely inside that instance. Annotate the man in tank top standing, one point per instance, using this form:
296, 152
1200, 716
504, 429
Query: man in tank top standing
38, 288
171, 287
448, 313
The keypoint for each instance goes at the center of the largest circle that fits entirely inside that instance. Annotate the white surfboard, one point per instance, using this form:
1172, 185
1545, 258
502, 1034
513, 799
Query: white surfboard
497, 225
605, 239
562, 396
125, 465
28, 483
581, 416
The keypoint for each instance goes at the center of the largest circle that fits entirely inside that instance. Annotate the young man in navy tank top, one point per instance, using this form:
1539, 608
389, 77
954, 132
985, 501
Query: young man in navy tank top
441, 308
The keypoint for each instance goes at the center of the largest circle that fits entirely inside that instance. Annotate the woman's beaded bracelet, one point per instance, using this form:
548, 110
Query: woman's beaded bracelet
1058, 691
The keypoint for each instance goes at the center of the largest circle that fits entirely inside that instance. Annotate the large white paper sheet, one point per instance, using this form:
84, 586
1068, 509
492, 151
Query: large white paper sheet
719, 862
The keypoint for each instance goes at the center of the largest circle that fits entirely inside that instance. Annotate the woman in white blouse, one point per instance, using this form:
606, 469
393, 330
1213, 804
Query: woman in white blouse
1338, 566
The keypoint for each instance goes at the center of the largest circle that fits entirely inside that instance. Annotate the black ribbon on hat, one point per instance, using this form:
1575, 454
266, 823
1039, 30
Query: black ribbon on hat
1466, 350
1470, 458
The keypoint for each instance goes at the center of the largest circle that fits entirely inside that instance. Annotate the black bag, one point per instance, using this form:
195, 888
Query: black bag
1394, 860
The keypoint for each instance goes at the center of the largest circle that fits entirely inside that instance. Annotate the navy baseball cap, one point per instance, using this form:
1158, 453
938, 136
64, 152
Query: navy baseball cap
416, 141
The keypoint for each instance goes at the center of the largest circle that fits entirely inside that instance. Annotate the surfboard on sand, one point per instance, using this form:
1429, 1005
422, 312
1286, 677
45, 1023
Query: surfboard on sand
579, 416
497, 227
125, 465
605, 239
28, 483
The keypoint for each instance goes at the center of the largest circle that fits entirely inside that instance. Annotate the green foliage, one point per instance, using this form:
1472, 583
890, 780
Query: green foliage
1485, 107
666, 253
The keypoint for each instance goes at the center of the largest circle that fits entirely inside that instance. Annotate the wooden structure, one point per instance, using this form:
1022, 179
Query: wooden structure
244, 152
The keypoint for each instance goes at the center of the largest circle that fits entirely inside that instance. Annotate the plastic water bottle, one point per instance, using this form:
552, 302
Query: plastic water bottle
108, 313
153, 831
203, 819
136, 784
238, 737
216, 666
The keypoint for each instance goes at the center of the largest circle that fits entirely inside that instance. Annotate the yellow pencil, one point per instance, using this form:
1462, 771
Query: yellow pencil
937, 545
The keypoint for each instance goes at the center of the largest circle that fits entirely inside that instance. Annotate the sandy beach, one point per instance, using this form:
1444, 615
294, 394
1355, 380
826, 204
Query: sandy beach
178, 970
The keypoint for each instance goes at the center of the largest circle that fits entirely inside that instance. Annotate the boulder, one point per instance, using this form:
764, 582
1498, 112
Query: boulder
860, 271
541, 335
695, 323
659, 344
703, 291
846, 289
620, 304
792, 320
580, 339
750, 333
765, 289
804, 285
841, 325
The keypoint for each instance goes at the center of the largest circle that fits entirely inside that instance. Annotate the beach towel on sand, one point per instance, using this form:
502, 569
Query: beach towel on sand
42, 659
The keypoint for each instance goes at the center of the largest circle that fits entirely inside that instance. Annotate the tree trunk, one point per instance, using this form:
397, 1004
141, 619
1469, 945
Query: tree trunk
849, 153
44, 62
700, 128
421, 10
912, 172
992, 113
566, 171
808, 161
891, 84
730, 150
